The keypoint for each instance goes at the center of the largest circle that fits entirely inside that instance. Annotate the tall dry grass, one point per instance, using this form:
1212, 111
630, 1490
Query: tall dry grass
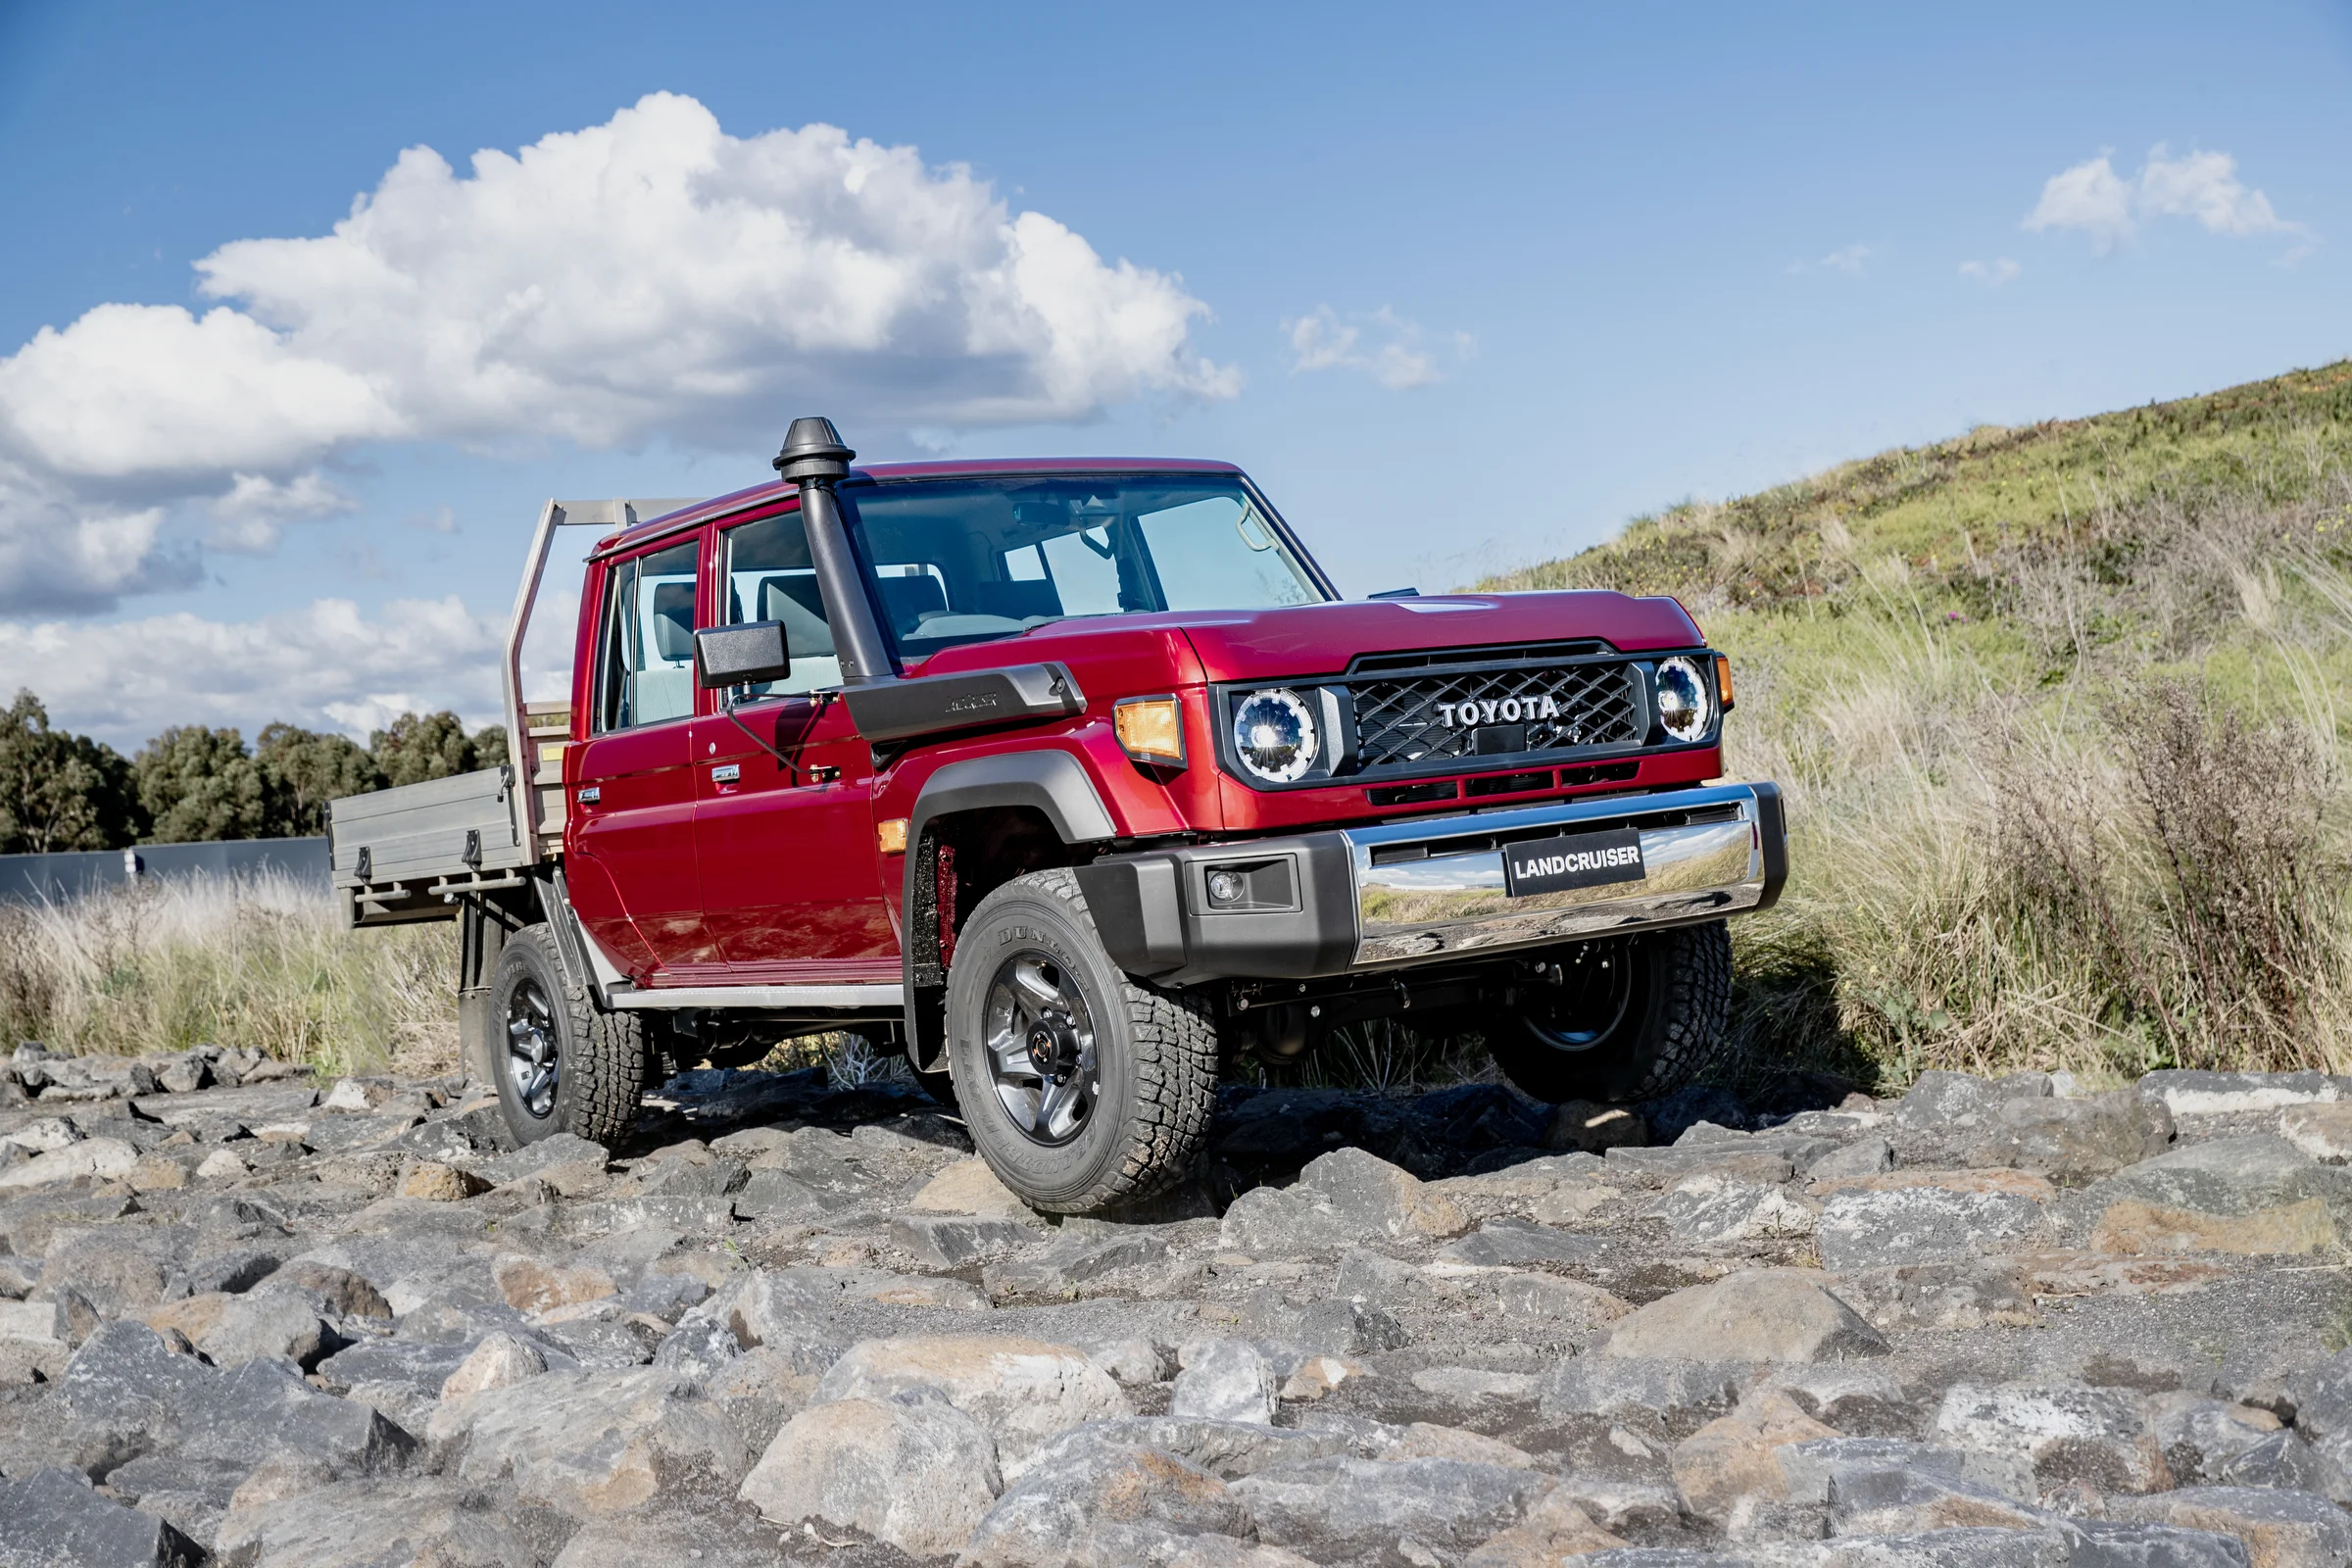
163, 967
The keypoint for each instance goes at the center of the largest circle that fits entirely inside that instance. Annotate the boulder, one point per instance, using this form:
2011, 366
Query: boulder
951, 1241
2323, 1130
1878, 1228
1555, 1527
272, 1322
1712, 1209
2280, 1529
438, 1182
1754, 1315
1732, 1464
1223, 1380
352, 1524
98, 1158
1343, 1507
1022, 1391
970, 1189
2189, 1092
2065, 1430
1619, 1386
1109, 1508
1341, 1199
500, 1361
590, 1443
53, 1516
1052, 1270
907, 1468
1958, 1294
534, 1285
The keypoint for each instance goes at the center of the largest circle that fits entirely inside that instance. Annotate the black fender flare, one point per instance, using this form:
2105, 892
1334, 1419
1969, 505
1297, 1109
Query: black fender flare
1050, 781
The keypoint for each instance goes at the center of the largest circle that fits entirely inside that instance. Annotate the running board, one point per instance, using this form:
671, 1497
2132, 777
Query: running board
847, 998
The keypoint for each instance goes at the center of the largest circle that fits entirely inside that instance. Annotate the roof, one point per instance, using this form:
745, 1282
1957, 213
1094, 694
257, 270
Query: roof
782, 490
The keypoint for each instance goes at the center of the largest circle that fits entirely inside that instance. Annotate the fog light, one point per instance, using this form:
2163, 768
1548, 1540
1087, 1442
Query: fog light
1225, 887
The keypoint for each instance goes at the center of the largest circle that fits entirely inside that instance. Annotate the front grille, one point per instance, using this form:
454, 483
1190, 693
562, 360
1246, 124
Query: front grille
1398, 721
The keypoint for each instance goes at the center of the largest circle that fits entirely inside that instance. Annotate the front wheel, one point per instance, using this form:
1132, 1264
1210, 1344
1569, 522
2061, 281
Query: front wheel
1083, 1090
1622, 1020
564, 1065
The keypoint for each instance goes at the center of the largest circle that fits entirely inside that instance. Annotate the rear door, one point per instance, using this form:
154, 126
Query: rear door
633, 793
790, 876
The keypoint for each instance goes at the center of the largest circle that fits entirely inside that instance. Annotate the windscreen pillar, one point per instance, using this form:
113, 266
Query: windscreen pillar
814, 458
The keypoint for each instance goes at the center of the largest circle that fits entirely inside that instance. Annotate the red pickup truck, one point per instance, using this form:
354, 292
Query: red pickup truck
1075, 780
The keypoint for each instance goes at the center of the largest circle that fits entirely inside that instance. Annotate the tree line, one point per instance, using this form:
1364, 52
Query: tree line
63, 791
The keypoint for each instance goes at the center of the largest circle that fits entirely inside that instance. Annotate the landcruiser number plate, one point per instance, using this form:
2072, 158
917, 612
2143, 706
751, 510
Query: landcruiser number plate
1571, 860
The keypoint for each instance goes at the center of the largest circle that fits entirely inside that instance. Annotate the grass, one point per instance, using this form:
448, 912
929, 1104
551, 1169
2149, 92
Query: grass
2058, 714
259, 963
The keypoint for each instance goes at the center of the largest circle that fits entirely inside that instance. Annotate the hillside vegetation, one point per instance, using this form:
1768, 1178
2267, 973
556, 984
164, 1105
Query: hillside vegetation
2060, 712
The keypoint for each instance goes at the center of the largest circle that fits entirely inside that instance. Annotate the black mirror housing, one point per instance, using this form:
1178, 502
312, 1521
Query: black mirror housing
739, 656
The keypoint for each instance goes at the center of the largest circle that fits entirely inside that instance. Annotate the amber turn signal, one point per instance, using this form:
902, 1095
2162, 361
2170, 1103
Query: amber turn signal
1150, 730
1723, 681
890, 835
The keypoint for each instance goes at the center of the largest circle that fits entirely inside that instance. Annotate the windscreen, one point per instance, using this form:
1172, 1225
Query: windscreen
960, 561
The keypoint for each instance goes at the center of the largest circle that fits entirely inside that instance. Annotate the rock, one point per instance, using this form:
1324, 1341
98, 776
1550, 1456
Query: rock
1754, 1315
2136, 1229
2192, 1092
2258, 1176
53, 1516
1582, 1124
1732, 1464
2321, 1130
41, 1135
1810, 1469
349, 1093
2064, 1430
969, 1188
221, 1166
1871, 1499
1866, 1156
500, 1361
99, 1159
1962, 1293
951, 1241
342, 1291
1346, 1507
1341, 1199
269, 1323
1516, 1244
1616, 1385
439, 1182
1108, 1508
1712, 1209
1468, 1385
352, 1524
1951, 1119
1052, 1270
1554, 1527
531, 1285
2280, 1529
1024, 1392
1876, 1229
1318, 1375
557, 1151
118, 1274
1224, 1380
185, 1076
696, 1536
908, 1468
1760, 1165
590, 1443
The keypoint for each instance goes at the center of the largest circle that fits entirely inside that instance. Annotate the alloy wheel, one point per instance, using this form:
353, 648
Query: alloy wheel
1040, 1040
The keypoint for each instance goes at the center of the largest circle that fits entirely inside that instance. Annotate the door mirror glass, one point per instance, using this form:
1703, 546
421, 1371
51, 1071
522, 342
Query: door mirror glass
741, 656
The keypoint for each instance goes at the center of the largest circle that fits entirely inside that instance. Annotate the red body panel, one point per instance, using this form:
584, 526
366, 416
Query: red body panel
775, 876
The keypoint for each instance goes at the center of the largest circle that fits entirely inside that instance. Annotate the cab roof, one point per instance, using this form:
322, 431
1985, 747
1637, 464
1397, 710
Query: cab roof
965, 467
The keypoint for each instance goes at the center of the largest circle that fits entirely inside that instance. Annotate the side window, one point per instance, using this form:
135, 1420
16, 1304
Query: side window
769, 577
645, 671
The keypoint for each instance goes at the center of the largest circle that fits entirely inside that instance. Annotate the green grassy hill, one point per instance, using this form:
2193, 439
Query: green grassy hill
2058, 712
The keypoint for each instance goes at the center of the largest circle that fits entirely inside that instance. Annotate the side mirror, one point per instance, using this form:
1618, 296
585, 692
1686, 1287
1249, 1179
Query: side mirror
739, 656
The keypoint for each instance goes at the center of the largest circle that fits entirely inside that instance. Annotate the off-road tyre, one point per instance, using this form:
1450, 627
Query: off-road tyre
1157, 1056
599, 1055
1671, 1030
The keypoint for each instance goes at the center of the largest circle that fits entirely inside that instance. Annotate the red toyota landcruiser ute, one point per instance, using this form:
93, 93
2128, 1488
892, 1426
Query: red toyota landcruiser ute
1074, 780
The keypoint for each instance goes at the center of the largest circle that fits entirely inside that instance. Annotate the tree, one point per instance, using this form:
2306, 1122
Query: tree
57, 789
304, 770
199, 784
417, 746
490, 746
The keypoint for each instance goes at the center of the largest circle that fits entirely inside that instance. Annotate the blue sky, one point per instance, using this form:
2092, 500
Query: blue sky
1462, 289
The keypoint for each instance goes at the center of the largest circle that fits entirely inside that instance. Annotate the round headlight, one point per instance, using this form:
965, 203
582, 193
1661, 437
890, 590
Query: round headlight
1685, 706
1274, 734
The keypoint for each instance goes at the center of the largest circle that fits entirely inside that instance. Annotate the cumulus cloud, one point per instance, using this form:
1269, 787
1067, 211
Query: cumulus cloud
1993, 274
2093, 199
325, 667
1403, 356
651, 276
1853, 262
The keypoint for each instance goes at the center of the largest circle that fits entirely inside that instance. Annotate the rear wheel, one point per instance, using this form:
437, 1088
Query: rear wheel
563, 1065
1083, 1089
1622, 1020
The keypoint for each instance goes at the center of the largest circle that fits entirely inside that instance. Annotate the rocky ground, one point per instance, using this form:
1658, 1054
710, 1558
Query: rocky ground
248, 1319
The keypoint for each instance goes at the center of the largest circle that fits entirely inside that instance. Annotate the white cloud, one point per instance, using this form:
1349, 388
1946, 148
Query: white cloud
1849, 261
651, 276
1993, 274
1321, 340
442, 518
2092, 198
324, 666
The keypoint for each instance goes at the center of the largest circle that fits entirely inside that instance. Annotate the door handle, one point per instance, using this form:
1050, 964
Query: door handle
726, 773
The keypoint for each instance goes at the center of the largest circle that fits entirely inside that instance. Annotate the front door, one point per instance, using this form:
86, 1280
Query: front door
633, 793
783, 835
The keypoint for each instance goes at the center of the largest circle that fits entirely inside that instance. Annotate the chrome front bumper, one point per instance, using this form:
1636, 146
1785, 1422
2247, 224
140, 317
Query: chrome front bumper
1431, 889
